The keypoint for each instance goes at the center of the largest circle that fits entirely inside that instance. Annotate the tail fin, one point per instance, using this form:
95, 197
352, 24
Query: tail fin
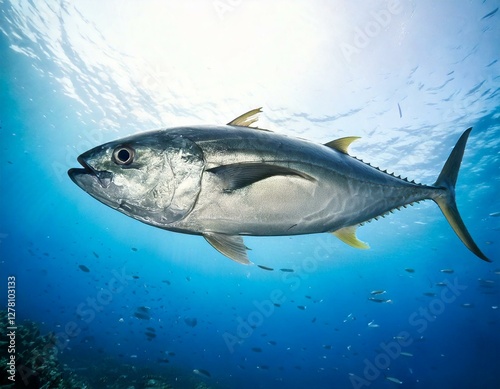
447, 180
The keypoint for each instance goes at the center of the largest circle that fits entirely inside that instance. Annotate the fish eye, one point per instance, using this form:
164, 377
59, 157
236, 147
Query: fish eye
123, 155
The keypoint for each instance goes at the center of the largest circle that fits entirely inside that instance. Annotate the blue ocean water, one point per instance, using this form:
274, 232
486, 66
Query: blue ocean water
133, 306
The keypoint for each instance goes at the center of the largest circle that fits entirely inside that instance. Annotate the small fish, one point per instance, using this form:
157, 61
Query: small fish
191, 322
84, 268
489, 15
301, 307
263, 367
430, 294
447, 271
410, 270
376, 292
485, 282
265, 267
405, 354
372, 324
95, 254
393, 379
202, 373
272, 342
376, 300
256, 349
327, 347
467, 305
133, 248
441, 284
349, 317
142, 316
285, 270
400, 113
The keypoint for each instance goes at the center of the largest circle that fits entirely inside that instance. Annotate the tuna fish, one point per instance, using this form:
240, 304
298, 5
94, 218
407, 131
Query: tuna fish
224, 182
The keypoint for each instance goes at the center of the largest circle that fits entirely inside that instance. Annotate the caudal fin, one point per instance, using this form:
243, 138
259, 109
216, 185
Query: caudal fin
446, 201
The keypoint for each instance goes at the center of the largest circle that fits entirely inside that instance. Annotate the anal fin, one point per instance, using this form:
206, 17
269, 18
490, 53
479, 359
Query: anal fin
348, 236
231, 246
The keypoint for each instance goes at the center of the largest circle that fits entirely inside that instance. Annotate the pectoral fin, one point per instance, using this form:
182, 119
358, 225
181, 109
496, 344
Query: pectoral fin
229, 245
348, 236
239, 175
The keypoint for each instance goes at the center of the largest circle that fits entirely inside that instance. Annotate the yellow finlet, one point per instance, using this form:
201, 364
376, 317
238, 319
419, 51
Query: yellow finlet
342, 144
348, 236
247, 119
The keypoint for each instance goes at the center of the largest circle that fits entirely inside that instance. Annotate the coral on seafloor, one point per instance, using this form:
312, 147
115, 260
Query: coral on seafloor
29, 360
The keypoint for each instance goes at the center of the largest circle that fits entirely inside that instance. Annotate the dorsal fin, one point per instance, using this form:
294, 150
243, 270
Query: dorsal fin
247, 119
342, 144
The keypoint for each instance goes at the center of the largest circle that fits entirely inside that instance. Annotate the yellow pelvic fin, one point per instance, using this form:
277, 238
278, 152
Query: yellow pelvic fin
247, 119
348, 236
342, 144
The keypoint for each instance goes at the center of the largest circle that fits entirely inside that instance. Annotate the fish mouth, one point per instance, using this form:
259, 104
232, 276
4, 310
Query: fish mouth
81, 176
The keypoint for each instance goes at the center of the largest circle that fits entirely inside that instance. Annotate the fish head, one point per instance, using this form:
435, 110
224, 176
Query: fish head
153, 177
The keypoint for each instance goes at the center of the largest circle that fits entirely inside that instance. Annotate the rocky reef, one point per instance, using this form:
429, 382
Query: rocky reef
31, 360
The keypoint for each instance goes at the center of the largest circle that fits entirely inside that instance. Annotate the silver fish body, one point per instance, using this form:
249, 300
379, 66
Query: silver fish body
223, 182
262, 183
